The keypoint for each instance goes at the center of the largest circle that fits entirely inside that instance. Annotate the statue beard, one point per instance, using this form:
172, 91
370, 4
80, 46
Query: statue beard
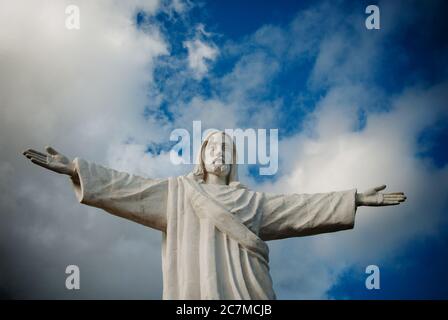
218, 168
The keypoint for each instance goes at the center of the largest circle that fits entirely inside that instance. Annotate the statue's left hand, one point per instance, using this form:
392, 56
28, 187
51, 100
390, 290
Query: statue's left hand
53, 160
373, 197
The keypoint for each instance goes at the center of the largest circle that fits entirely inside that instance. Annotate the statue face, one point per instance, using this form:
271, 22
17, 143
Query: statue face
218, 155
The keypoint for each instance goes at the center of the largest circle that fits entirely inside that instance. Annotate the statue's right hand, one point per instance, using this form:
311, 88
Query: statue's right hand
53, 160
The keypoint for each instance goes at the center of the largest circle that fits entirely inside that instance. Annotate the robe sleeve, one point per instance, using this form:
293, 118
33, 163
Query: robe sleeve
296, 215
128, 196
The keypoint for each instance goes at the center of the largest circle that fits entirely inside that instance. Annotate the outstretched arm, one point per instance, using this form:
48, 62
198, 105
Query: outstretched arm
296, 215
128, 196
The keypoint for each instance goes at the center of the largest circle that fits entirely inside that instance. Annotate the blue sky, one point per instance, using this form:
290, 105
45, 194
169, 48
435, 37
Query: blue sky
417, 272
354, 108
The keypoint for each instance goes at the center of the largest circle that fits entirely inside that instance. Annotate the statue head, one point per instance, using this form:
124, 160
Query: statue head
217, 156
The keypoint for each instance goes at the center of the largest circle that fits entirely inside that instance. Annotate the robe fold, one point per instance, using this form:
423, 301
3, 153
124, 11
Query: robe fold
213, 236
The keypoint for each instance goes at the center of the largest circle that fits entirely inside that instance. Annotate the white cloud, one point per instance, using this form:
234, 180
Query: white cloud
200, 54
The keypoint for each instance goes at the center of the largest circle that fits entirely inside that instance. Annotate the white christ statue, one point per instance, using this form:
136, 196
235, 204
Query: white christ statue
214, 228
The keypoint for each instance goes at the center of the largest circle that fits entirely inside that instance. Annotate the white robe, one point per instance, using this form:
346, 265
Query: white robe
213, 235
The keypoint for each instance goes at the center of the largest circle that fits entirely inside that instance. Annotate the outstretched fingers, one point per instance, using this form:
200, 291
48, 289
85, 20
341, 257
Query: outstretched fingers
391, 199
40, 163
32, 154
394, 197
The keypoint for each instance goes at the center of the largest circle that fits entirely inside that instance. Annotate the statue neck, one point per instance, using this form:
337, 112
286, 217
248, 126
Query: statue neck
214, 179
